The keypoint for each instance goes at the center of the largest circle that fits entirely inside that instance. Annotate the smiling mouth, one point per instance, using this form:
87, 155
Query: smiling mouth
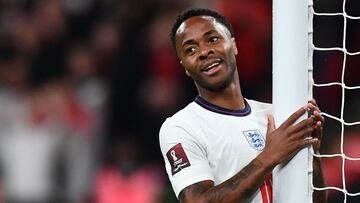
212, 69
212, 66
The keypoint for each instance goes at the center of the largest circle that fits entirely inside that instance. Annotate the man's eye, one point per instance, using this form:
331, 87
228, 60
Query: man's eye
190, 50
214, 39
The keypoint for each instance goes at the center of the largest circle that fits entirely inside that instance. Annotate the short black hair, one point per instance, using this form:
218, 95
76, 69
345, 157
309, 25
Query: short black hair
199, 12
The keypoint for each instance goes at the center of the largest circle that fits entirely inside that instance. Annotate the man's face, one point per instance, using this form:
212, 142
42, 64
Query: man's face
207, 52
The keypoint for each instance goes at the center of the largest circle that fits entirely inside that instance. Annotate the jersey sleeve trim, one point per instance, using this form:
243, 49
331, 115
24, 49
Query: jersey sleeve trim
188, 182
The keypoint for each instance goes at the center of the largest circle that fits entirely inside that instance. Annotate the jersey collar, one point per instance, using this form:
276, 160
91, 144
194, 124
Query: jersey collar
217, 109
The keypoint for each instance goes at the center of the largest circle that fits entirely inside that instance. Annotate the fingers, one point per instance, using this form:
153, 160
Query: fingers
305, 143
317, 116
303, 133
314, 112
313, 102
318, 123
306, 123
309, 141
292, 136
271, 124
300, 144
304, 140
296, 115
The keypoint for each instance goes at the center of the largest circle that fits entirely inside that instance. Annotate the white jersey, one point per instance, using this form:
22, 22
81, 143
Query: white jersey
206, 142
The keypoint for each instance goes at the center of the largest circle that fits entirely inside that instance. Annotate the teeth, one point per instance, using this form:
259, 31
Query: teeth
212, 65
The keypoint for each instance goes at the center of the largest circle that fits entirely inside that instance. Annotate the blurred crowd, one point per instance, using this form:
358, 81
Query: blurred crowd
86, 84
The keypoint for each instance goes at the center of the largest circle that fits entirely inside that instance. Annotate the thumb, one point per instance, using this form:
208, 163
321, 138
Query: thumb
271, 124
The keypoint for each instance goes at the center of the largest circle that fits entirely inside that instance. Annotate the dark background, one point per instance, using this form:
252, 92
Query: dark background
113, 71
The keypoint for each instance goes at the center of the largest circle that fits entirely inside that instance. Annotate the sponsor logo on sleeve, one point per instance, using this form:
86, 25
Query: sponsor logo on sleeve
177, 159
255, 139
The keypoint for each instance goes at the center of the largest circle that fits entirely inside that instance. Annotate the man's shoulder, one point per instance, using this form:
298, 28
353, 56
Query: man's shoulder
259, 106
180, 126
181, 117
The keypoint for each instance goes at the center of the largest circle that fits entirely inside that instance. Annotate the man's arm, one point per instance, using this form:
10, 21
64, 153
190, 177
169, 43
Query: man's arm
319, 196
238, 188
281, 145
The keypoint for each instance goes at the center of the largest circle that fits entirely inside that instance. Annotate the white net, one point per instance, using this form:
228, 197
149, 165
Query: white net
335, 72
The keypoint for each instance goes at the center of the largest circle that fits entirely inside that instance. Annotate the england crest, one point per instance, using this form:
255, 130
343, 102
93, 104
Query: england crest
255, 139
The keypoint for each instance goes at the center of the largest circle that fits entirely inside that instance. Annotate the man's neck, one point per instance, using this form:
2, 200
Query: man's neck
229, 98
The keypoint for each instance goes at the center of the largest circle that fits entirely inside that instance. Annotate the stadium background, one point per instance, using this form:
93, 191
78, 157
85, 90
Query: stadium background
104, 73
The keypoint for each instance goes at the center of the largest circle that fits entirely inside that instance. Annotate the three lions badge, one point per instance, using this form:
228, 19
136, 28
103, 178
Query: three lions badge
255, 139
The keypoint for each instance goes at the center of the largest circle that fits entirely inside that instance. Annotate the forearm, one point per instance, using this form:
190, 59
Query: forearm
319, 196
238, 188
246, 182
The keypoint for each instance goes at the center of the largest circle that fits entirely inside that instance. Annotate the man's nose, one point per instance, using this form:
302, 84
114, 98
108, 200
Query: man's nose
205, 51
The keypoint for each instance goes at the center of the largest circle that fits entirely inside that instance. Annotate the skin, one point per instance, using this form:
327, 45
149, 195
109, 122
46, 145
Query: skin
200, 42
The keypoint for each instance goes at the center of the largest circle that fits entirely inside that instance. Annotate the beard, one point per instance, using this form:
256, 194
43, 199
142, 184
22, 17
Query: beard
219, 86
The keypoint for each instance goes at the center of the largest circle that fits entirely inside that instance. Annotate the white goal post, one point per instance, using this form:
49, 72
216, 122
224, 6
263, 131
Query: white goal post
291, 181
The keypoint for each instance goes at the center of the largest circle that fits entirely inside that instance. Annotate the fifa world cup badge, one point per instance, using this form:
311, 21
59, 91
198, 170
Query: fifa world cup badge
177, 158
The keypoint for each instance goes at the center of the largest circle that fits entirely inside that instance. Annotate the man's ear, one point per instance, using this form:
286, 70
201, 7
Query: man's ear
187, 73
234, 46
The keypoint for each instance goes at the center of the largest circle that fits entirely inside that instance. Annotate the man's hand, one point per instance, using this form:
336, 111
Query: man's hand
284, 142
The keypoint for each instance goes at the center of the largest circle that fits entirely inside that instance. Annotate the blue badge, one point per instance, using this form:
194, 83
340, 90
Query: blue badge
255, 139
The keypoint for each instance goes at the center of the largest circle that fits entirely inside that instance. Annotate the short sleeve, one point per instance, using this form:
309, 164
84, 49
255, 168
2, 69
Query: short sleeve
184, 155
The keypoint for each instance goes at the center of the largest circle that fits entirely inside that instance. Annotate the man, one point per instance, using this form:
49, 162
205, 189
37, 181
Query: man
215, 148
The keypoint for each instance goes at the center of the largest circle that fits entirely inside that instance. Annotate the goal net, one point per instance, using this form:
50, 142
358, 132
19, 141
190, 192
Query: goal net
334, 61
316, 54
